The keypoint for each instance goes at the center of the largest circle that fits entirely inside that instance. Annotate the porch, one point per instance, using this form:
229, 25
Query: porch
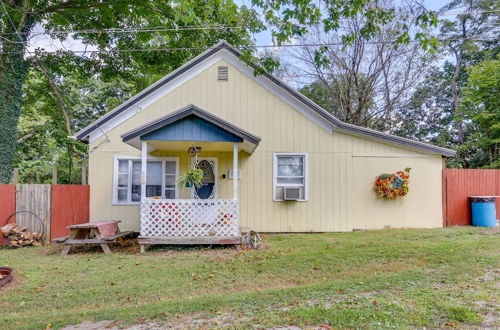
189, 221
199, 216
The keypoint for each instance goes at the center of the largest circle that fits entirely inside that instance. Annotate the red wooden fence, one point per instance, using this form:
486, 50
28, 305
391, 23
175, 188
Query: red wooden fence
7, 204
459, 184
70, 206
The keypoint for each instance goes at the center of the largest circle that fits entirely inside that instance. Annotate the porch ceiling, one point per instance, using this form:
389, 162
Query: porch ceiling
191, 126
184, 145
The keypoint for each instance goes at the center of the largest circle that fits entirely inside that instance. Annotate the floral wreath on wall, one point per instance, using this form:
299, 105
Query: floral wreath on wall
392, 186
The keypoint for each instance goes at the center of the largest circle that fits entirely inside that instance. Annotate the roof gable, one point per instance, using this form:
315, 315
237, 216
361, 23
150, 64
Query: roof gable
191, 123
191, 128
272, 83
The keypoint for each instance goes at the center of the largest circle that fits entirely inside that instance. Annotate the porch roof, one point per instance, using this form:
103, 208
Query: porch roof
191, 124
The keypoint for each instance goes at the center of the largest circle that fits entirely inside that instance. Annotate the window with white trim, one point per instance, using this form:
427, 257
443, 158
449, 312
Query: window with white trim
290, 170
160, 179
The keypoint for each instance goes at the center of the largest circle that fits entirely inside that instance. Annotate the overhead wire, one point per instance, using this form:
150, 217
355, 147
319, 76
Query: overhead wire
188, 27
52, 82
169, 49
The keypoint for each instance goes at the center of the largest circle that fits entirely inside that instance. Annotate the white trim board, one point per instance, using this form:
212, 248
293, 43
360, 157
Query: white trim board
225, 55
216, 176
223, 50
150, 158
306, 173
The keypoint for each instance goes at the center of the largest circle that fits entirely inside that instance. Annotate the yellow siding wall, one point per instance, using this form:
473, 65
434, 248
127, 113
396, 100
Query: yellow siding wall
342, 167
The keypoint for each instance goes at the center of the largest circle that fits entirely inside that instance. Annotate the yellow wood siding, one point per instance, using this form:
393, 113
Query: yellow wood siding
342, 167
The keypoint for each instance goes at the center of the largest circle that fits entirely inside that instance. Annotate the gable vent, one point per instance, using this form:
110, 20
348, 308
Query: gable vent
222, 73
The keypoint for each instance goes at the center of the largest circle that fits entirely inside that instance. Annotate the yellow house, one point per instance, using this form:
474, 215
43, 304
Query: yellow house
272, 160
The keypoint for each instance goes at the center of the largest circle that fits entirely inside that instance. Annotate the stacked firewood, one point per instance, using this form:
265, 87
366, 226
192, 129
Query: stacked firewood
18, 236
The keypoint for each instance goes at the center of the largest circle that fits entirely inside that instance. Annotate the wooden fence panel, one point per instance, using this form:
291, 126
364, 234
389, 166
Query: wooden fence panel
7, 205
459, 184
34, 198
70, 206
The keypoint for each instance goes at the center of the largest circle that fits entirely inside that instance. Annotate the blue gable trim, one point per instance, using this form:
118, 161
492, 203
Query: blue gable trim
191, 128
225, 131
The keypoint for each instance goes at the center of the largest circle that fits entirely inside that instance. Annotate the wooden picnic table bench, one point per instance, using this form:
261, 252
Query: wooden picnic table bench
99, 232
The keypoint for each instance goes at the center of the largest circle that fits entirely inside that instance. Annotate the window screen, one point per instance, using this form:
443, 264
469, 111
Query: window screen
160, 180
289, 171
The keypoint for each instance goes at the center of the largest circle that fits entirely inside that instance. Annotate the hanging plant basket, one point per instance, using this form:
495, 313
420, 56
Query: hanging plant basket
393, 186
193, 177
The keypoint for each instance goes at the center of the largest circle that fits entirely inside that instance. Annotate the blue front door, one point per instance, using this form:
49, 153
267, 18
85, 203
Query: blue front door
208, 189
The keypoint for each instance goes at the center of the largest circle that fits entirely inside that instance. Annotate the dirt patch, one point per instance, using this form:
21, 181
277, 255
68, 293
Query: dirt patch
126, 246
490, 275
89, 325
130, 246
491, 231
12, 283
491, 314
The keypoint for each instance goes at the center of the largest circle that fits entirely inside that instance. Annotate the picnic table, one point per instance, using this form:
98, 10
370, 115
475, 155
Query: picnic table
98, 232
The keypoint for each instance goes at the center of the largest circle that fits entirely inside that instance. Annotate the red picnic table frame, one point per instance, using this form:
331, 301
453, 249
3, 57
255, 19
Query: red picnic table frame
101, 232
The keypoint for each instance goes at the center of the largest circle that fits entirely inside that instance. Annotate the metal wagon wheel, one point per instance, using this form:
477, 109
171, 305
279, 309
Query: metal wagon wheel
40, 221
252, 239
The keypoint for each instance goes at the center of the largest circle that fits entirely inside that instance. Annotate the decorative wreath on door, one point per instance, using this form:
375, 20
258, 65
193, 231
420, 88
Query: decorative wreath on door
391, 186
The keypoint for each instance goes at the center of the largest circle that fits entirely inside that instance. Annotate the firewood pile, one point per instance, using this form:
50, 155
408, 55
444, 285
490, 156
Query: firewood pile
18, 236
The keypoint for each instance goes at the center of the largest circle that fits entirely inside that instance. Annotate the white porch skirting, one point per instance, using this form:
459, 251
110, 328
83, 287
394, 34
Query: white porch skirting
189, 218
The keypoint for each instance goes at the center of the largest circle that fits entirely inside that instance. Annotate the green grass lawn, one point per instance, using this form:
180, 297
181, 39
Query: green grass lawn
388, 278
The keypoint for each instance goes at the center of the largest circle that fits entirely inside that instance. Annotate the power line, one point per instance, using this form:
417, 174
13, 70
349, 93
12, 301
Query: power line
187, 27
171, 49
141, 29
469, 12
59, 93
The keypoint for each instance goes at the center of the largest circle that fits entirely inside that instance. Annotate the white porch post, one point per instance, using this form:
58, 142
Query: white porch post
144, 166
235, 171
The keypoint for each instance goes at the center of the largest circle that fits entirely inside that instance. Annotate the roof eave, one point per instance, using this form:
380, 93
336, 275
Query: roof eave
83, 135
401, 141
184, 112
85, 132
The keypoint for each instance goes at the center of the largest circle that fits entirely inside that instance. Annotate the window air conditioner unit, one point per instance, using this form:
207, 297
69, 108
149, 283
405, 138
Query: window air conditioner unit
291, 193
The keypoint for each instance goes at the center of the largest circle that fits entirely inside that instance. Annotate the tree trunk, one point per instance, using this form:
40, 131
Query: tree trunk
13, 70
456, 98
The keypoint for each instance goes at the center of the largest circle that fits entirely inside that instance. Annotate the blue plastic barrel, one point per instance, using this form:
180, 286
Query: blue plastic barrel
484, 212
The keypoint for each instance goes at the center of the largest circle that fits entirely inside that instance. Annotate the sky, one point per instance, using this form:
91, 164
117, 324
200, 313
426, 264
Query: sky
263, 38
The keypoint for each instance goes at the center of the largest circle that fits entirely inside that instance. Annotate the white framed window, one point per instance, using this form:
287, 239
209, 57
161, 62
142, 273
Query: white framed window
161, 177
290, 170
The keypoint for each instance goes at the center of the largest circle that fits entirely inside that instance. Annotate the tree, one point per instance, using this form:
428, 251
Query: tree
426, 114
20, 17
480, 108
291, 19
429, 114
42, 134
347, 97
365, 81
476, 21
432, 113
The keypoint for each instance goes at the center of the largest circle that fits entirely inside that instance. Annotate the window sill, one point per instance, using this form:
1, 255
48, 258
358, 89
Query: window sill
126, 204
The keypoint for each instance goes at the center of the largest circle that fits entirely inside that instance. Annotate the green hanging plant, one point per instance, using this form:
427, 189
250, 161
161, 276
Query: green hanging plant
193, 177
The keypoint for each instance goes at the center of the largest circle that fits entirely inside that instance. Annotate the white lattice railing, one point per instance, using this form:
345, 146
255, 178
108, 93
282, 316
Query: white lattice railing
189, 217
